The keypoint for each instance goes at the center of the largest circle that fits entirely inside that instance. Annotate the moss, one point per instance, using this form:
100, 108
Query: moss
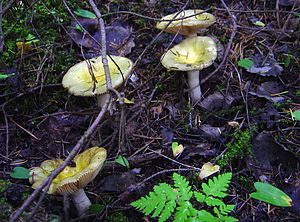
116, 216
238, 149
229, 111
5, 208
245, 181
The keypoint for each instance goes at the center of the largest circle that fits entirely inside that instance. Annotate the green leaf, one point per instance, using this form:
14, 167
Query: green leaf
95, 208
217, 185
123, 161
297, 14
162, 201
296, 114
270, 194
245, 63
85, 13
20, 173
31, 39
78, 27
177, 149
287, 60
182, 186
167, 200
4, 76
259, 23
199, 196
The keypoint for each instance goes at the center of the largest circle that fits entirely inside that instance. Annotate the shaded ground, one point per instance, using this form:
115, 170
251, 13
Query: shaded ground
244, 123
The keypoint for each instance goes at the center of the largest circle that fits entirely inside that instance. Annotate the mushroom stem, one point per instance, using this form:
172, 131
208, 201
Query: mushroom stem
81, 201
191, 35
194, 85
101, 99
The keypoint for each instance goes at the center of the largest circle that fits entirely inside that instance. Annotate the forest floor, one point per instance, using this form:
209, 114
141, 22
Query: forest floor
246, 122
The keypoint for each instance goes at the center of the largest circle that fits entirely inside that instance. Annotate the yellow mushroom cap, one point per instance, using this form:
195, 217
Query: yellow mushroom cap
194, 53
71, 179
79, 82
187, 26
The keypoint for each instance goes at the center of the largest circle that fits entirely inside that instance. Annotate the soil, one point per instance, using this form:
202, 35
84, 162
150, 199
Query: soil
246, 122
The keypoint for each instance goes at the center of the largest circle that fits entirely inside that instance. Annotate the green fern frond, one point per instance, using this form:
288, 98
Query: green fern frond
200, 197
212, 201
182, 211
217, 186
223, 210
205, 216
182, 186
228, 219
226, 209
165, 199
162, 201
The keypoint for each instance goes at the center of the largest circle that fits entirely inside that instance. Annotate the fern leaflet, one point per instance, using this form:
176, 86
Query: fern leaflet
217, 186
165, 199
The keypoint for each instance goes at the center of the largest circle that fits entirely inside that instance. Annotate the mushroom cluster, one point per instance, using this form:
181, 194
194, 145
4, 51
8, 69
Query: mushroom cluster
195, 52
71, 180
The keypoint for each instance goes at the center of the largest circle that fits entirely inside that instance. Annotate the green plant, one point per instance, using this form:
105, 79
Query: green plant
20, 173
245, 63
165, 199
123, 161
4, 76
238, 149
270, 194
296, 114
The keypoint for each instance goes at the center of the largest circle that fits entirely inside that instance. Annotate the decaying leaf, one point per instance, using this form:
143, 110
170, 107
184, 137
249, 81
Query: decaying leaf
118, 37
210, 132
265, 65
177, 149
207, 170
272, 91
217, 101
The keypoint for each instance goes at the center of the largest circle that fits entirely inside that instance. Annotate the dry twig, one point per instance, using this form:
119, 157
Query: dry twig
46, 183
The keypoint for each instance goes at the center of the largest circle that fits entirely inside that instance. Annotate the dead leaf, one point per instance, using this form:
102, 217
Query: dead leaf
216, 101
265, 65
210, 132
272, 91
118, 37
207, 170
177, 149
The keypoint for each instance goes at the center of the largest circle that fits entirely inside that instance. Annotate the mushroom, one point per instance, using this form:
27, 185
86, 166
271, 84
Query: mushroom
191, 55
71, 180
190, 23
78, 80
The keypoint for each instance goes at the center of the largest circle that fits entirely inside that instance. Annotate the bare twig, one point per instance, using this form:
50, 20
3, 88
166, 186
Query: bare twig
8, 5
234, 30
1, 31
46, 183
69, 158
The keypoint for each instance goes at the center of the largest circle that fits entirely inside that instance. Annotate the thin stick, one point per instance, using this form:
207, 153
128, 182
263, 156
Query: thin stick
82, 140
234, 30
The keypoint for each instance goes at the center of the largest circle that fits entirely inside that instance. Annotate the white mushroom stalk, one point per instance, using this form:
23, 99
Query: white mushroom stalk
81, 201
193, 79
192, 55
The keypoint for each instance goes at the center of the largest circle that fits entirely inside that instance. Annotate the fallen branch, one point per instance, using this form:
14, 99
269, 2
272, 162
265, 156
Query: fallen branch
46, 183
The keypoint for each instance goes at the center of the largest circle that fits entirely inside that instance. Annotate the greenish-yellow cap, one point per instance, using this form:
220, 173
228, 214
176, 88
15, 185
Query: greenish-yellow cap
194, 53
79, 82
187, 26
71, 179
